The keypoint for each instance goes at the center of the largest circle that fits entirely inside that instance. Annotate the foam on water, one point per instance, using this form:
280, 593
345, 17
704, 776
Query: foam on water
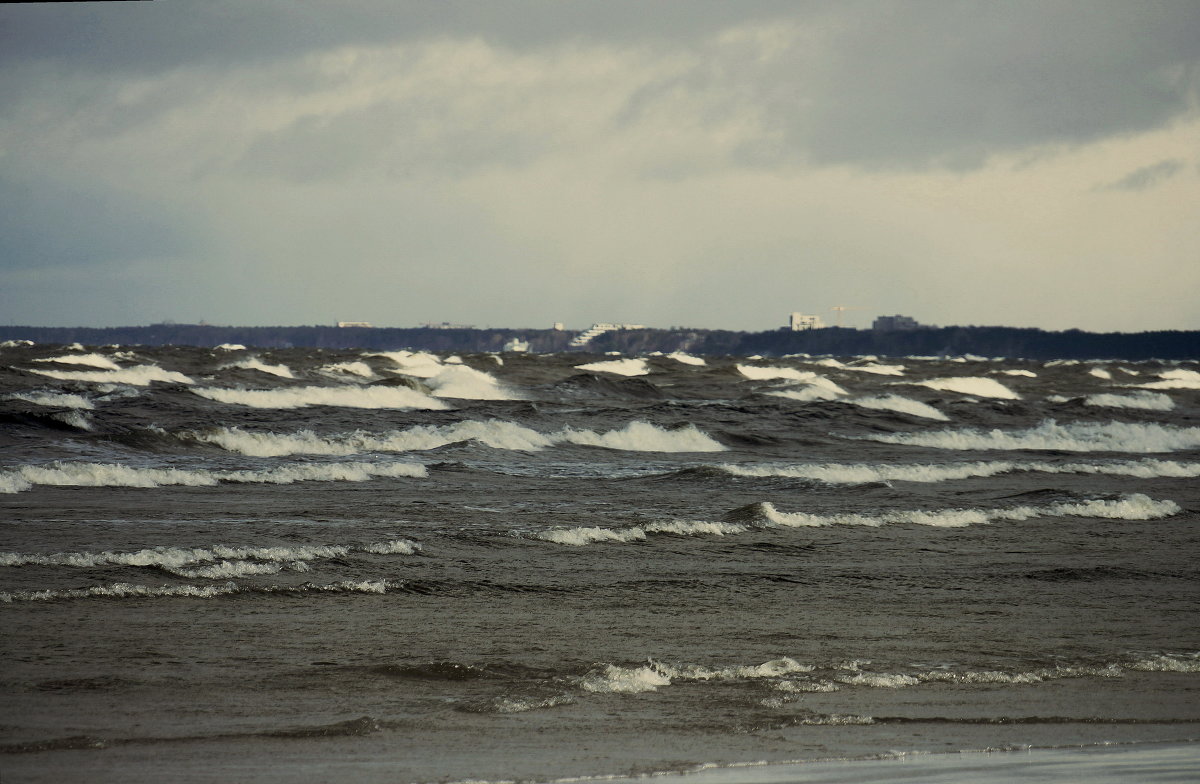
1178, 378
877, 369
861, 473
813, 388
970, 385
130, 591
644, 437
116, 475
418, 364
1148, 401
1100, 373
1135, 506
1017, 372
54, 400
254, 363
585, 535
620, 367
493, 433
1072, 437
686, 359
91, 360
460, 381
140, 376
901, 405
230, 347
360, 369
756, 373
343, 397
625, 680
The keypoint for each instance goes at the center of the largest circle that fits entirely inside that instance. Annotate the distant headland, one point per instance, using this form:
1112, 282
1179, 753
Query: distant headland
1012, 342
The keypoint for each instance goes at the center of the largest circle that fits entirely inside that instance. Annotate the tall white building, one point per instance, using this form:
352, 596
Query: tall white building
802, 321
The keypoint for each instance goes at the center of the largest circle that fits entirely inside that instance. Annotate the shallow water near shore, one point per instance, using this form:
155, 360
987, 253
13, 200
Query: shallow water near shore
312, 565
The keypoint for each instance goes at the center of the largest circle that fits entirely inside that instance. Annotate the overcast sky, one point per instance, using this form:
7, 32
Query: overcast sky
702, 163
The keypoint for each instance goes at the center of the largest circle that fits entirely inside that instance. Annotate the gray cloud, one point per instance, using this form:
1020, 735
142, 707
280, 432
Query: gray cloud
1147, 176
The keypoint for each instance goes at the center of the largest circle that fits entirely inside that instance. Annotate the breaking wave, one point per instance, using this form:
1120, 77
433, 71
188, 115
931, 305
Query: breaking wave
91, 360
1072, 437
862, 473
584, 535
1148, 401
139, 376
815, 388
756, 373
1175, 379
254, 363
636, 437
130, 591
977, 386
902, 405
222, 561
460, 381
54, 400
686, 359
115, 475
620, 367
344, 397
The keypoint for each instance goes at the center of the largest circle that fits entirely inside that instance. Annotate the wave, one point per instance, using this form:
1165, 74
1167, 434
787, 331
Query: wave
254, 363
54, 400
1175, 379
620, 367
179, 560
902, 405
360, 369
686, 359
1148, 401
230, 347
756, 373
1135, 506
460, 381
863, 473
877, 369
812, 389
1100, 373
649, 677
977, 386
1017, 372
636, 437
1073, 437
418, 364
139, 375
116, 475
343, 397
91, 360
584, 535
131, 591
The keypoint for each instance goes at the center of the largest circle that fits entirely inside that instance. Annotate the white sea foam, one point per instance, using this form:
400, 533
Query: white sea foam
79, 419
115, 475
16, 343
493, 433
1072, 437
644, 437
54, 400
1100, 373
1130, 507
970, 385
584, 535
1178, 378
756, 373
814, 387
860, 473
900, 404
254, 363
686, 359
460, 381
361, 369
877, 369
1149, 401
344, 397
625, 680
418, 364
1017, 372
230, 347
127, 591
140, 375
91, 360
620, 367
175, 559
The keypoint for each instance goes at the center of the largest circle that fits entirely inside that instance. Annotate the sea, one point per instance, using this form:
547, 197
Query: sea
298, 565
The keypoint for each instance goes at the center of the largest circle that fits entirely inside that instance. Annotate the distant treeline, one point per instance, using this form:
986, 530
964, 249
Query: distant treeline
1009, 342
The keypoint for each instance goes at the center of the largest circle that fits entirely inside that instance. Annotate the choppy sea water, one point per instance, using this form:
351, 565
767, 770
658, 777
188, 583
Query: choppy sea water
231, 564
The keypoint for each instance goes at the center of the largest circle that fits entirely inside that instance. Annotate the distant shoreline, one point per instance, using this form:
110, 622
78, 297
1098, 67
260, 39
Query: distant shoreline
1011, 342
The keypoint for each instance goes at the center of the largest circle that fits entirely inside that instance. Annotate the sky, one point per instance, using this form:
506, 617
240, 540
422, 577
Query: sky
695, 163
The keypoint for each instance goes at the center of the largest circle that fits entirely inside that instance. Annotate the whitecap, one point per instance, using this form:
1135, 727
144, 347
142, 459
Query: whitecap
254, 363
861, 473
460, 381
756, 373
1178, 378
91, 360
343, 397
686, 359
970, 385
623, 680
54, 400
901, 405
644, 437
1072, 437
1148, 401
141, 375
493, 433
620, 367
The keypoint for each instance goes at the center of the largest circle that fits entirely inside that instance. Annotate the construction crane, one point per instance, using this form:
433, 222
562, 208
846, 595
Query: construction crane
840, 309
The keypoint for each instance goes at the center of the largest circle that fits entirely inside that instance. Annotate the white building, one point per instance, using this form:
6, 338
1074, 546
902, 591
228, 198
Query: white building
802, 321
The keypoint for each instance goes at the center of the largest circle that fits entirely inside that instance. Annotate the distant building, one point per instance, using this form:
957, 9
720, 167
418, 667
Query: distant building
894, 323
596, 330
354, 324
798, 322
559, 326
447, 325
516, 345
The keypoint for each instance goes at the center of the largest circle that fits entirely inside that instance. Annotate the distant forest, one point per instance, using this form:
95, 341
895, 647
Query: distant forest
1008, 342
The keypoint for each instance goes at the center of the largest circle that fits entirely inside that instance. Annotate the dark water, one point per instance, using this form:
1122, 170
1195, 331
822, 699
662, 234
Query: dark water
234, 565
